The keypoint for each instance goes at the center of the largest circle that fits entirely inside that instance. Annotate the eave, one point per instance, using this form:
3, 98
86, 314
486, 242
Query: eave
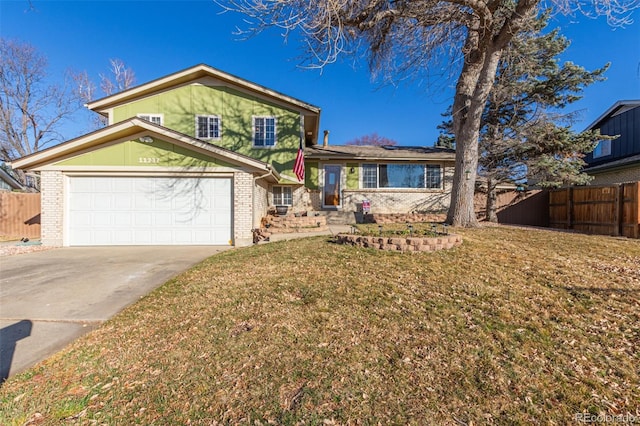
135, 128
191, 74
615, 109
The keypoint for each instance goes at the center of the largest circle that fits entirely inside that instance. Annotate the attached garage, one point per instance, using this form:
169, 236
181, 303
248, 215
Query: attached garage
149, 211
137, 183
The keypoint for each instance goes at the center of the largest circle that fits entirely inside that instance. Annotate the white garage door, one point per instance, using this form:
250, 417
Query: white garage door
149, 211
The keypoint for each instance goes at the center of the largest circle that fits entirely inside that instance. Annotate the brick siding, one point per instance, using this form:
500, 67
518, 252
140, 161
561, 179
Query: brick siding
631, 174
52, 219
261, 202
243, 202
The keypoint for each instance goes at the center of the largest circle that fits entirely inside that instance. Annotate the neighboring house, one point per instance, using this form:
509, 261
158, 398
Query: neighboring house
617, 160
199, 157
8, 182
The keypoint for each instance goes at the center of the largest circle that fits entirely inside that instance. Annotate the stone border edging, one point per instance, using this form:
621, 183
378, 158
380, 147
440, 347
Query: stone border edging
407, 244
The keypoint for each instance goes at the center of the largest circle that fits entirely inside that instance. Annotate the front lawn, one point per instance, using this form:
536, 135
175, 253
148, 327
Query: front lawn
513, 327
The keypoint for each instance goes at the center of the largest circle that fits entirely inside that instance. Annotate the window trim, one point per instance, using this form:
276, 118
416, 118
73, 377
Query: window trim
597, 153
425, 166
209, 116
144, 114
281, 188
253, 131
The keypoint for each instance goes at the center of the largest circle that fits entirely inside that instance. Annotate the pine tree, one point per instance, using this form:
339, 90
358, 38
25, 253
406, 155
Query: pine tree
524, 136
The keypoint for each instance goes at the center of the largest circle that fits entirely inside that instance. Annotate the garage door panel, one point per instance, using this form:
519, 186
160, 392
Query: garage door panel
123, 201
149, 211
142, 219
123, 219
142, 201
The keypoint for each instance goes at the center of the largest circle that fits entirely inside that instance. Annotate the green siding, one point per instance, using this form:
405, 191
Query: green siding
311, 175
135, 153
353, 179
179, 107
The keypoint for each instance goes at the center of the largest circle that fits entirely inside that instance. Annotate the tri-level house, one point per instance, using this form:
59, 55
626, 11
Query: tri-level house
200, 156
616, 160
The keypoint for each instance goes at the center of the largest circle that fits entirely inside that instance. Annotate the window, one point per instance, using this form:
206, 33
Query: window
433, 177
369, 175
207, 127
414, 176
264, 131
602, 149
282, 196
153, 118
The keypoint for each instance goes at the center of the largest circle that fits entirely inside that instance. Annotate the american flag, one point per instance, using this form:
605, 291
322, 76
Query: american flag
298, 166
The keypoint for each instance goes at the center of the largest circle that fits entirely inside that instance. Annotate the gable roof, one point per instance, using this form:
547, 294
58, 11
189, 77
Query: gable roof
617, 108
135, 128
365, 152
191, 74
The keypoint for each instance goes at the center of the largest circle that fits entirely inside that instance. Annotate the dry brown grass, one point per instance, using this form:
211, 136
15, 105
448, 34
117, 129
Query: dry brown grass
514, 327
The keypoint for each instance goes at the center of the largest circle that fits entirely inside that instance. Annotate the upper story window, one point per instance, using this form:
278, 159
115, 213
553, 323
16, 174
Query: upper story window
207, 127
153, 118
264, 132
415, 176
602, 149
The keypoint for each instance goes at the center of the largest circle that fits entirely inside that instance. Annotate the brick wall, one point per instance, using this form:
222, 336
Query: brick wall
631, 174
52, 219
261, 202
389, 201
242, 209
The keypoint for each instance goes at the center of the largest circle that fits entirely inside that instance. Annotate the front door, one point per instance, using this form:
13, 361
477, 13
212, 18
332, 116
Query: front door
331, 192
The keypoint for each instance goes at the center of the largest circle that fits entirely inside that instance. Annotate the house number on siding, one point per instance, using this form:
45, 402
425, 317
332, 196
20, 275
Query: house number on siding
148, 160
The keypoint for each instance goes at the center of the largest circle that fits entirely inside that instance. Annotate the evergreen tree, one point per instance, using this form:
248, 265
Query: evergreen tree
523, 134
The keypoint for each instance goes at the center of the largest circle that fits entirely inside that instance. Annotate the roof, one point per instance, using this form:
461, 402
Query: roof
10, 180
134, 128
631, 161
361, 152
188, 75
617, 108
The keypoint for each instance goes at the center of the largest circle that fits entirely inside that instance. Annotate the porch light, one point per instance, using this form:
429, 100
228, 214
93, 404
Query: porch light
352, 170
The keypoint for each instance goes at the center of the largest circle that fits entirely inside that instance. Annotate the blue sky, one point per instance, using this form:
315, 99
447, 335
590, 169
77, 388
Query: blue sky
157, 38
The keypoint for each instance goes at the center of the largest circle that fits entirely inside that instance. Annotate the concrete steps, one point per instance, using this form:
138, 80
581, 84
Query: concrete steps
339, 217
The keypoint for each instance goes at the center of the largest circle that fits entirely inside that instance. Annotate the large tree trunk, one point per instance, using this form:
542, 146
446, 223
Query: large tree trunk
492, 216
482, 52
472, 91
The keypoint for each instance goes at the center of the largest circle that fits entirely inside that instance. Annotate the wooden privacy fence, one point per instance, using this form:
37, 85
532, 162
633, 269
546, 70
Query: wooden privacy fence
607, 210
19, 215
529, 208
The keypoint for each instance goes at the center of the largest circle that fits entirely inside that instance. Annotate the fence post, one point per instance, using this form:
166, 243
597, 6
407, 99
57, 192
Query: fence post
617, 213
569, 208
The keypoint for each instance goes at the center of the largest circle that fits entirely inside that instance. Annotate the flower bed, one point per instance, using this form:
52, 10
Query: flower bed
404, 244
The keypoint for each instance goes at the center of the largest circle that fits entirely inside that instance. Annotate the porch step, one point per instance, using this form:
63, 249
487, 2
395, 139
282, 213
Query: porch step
294, 224
339, 217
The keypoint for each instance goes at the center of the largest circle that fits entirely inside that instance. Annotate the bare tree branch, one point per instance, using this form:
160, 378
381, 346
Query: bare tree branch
403, 38
31, 110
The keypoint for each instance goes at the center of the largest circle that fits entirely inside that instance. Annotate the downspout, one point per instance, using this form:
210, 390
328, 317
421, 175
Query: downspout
255, 179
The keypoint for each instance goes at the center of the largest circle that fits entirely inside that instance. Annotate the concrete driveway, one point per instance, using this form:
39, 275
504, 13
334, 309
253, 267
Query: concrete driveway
50, 298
